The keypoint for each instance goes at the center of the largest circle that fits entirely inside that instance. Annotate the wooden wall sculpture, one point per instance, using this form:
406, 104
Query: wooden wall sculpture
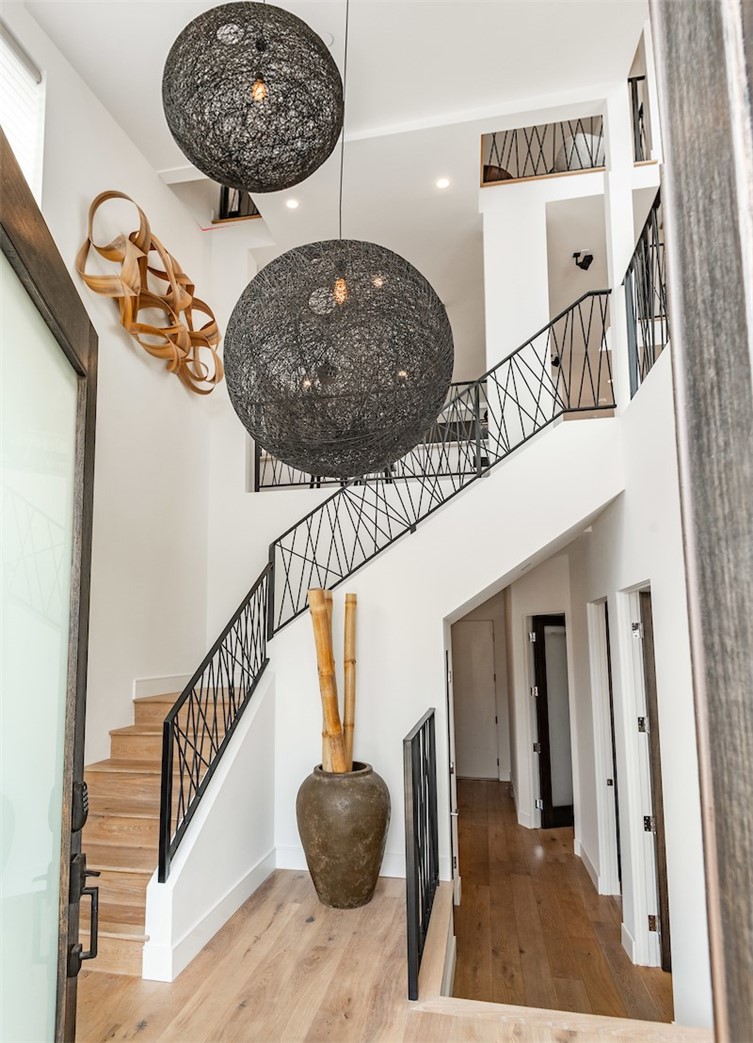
150, 279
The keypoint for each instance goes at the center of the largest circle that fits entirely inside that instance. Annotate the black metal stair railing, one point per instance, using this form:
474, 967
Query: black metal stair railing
638, 109
271, 473
646, 298
548, 148
198, 727
563, 369
421, 839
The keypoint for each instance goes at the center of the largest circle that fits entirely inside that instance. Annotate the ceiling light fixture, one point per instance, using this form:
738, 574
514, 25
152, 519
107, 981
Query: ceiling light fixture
443, 182
292, 204
252, 96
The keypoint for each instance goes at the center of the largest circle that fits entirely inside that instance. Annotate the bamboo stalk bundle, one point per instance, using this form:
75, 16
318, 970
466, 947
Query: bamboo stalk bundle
326, 749
332, 733
349, 708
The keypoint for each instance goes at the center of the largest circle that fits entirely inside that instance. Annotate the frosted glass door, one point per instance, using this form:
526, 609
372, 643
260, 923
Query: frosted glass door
37, 456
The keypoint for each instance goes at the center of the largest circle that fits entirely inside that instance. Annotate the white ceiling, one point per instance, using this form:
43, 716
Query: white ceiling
425, 78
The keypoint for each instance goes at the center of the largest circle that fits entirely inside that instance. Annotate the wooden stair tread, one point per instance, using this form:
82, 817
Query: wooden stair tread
137, 729
171, 698
122, 935
120, 859
131, 916
131, 766
122, 807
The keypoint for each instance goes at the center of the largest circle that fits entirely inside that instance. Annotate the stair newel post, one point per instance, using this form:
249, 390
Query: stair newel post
166, 798
271, 594
477, 423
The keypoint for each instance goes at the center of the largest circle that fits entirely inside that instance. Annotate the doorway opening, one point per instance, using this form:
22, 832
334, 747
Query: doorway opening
553, 747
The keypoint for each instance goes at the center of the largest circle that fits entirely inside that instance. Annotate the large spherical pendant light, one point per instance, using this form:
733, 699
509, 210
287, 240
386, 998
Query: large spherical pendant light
252, 96
338, 357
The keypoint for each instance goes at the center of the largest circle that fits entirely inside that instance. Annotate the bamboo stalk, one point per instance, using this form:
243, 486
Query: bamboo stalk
326, 749
349, 710
332, 735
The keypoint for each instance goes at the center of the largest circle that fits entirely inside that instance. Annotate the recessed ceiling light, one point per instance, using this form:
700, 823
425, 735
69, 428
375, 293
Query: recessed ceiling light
443, 182
292, 204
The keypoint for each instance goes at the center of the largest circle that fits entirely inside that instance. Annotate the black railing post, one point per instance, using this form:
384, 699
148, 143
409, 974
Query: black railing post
421, 839
271, 594
477, 425
257, 466
166, 800
411, 873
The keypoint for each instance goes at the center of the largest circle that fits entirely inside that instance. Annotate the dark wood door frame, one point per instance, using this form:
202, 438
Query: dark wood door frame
551, 816
613, 738
29, 247
657, 788
703, 53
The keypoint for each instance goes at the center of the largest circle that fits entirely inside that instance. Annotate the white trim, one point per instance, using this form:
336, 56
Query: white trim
165, 962
450, 962
583, 855
609, 880
143, 687
628, 943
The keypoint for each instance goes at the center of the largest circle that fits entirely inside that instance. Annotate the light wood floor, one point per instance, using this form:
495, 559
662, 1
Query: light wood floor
531, 928
285, 968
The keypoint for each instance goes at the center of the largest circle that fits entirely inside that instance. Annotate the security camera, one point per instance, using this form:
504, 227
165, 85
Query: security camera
583, 259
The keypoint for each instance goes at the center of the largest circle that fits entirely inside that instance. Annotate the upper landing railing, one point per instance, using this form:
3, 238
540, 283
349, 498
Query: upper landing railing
548, 148
646, 298
565, 368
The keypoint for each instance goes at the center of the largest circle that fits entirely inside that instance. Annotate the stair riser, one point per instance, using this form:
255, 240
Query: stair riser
148, 748
125, 830
134, 786
122, 888
115, 955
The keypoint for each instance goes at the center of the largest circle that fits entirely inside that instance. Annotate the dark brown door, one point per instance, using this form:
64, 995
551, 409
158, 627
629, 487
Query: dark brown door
552, 747
49, 388
657, 798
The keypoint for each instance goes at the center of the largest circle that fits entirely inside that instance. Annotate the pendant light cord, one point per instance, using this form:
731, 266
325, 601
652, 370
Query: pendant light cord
345, 109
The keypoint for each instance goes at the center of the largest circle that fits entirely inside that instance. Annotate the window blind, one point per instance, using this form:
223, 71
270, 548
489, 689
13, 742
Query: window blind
22, 107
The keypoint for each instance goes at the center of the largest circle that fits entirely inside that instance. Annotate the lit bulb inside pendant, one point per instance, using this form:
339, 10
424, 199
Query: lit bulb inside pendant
259, 90
340, 291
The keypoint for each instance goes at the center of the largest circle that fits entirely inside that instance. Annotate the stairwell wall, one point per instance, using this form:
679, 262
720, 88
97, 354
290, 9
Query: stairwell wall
149, 564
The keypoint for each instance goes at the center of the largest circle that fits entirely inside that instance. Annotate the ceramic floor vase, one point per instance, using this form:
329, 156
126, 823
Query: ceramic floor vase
342, 821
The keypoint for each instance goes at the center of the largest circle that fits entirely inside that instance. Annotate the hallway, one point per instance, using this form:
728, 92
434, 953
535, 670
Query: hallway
531, 929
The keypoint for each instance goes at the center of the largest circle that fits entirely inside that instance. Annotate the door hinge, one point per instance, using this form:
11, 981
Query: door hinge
537, 747
610, 782
648, 824
535, 691
539, 804
642, 724
638, 630
449, 677
532, 636
454, 861
653, 922
452, 768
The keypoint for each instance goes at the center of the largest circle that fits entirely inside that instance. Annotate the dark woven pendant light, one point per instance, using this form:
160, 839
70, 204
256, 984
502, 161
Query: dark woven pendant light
338, 357
252, 96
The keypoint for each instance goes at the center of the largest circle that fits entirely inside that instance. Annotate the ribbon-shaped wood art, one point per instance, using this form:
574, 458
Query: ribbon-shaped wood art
145, 265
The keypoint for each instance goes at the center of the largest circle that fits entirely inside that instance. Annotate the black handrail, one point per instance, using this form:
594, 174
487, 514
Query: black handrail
646, 298
564, 368
421, 838
199, 726
548, 148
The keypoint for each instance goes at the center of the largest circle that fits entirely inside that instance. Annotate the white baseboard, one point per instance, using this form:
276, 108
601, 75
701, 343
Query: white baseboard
146, 686
164, 963
504, 775
583, 855
291, 856
525, 820
628, 943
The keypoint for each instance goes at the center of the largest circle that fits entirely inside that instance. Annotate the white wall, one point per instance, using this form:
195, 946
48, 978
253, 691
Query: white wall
150, 508
493, 610
544, 590
404, 597
228, 850
638, 541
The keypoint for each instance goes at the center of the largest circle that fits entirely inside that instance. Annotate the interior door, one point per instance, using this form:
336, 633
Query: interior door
46, 464
553, 721
476, 742
657, 796
613, 735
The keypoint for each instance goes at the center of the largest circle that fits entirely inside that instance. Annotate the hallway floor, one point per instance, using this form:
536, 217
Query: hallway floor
531, 928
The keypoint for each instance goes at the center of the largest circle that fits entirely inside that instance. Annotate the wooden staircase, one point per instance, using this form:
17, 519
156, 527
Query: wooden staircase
121, 835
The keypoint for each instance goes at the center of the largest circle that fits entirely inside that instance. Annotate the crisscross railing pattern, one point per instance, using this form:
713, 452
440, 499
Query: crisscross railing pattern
198, 727
548, 148
271, 473
646, 299
564, 368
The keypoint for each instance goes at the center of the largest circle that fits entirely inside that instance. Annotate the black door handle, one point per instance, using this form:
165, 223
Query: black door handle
93, 893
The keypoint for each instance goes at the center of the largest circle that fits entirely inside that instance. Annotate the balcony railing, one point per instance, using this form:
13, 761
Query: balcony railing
549, 148
639, 118
445, 458
421, 839
646, 298
235, 203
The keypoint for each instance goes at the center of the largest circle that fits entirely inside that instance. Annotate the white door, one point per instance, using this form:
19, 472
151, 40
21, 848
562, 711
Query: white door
476, 745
